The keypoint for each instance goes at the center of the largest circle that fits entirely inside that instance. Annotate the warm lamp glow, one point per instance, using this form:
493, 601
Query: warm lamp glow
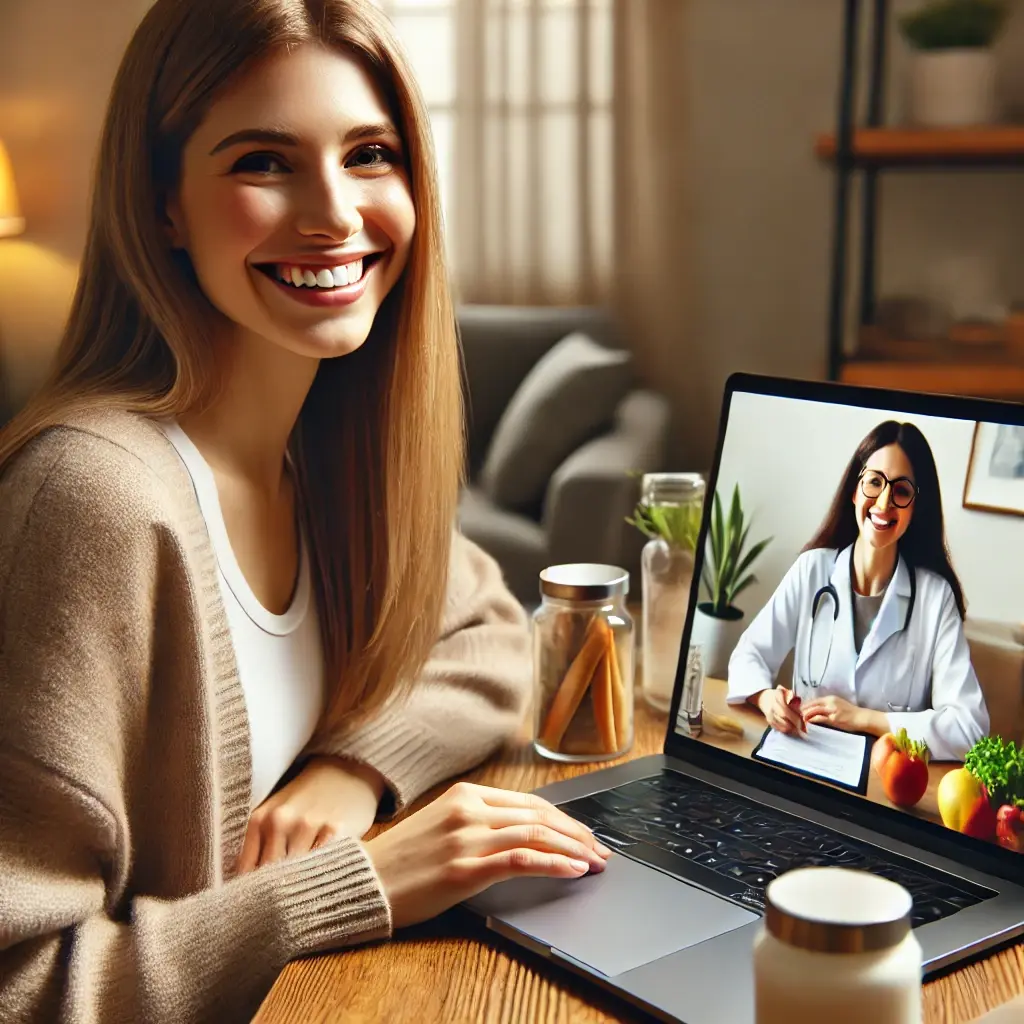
11, 221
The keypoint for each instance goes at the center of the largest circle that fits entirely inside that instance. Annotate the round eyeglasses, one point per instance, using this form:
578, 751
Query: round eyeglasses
902, 490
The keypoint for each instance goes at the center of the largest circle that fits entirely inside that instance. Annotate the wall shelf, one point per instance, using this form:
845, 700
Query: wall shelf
1000, 379
915, 147
865, 148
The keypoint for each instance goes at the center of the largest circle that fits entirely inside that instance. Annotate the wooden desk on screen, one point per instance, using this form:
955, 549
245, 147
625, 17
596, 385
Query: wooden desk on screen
451, 971
753, 728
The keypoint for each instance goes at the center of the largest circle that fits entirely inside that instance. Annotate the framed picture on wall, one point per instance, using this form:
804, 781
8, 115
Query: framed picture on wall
995, 469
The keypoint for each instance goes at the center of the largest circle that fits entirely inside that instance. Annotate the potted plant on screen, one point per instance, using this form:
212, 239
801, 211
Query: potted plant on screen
952, 80
726, 573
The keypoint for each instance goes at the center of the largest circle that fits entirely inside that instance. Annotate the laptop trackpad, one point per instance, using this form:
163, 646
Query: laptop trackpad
614, 921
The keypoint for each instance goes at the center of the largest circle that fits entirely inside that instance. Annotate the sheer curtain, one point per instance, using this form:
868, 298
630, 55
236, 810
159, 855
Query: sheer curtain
520, 95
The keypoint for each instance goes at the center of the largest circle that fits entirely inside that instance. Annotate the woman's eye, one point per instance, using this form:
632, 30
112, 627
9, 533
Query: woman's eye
259, 163
373, 157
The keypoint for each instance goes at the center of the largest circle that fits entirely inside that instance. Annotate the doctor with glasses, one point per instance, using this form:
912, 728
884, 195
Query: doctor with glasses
872, 611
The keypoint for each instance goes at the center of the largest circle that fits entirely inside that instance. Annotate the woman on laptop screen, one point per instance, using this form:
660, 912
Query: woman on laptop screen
872, 611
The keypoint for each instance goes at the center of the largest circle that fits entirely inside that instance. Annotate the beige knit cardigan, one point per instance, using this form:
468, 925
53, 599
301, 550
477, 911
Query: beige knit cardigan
124, 746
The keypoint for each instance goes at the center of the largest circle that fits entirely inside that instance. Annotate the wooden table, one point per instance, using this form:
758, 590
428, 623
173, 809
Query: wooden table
451, 971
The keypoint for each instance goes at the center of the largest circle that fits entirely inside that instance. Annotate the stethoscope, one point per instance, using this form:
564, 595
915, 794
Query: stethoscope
829, 591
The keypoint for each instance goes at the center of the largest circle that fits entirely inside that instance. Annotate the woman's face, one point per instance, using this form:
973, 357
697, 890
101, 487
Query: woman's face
887, 483
294, 204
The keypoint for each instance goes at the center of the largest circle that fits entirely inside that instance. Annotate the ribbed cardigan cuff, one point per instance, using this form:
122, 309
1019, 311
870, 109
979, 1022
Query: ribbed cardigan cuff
329, 898
408, 755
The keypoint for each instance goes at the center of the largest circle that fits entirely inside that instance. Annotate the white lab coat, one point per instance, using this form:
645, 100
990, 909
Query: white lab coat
924, 670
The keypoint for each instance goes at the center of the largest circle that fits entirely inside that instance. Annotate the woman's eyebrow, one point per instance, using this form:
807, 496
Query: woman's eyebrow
277, 137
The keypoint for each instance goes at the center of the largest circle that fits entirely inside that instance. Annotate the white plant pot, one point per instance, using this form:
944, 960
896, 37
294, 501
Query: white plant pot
953, 88
717, 638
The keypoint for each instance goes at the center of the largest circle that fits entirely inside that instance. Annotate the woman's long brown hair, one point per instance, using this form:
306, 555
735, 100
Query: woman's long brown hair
379, 442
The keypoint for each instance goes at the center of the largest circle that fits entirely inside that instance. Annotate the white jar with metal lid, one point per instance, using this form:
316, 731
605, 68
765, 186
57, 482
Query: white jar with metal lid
836, 947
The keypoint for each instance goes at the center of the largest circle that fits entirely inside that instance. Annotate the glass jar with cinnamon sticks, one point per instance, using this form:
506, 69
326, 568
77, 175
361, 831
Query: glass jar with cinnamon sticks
583, 663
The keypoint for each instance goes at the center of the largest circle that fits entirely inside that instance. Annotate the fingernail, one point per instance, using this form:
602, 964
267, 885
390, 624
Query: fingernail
579, 865
603, 850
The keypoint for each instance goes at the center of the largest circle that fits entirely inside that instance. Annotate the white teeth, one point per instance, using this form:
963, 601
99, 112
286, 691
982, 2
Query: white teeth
349, 273
880, 522
324, 277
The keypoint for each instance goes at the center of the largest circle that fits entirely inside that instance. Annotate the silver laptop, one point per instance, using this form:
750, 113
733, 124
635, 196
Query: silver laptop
701, 829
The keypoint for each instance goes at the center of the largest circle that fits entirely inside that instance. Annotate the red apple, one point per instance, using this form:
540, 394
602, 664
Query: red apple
902, 765
1010, 827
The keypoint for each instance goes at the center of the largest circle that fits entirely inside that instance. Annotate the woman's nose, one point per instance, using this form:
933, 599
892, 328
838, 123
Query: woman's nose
330, 207
882, 502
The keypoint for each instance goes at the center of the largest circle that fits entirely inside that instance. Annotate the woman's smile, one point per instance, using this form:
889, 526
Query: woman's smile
881, 522
337, 283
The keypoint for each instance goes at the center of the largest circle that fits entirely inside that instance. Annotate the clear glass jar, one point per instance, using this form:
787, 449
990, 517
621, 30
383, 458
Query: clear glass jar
674, 501
583, 664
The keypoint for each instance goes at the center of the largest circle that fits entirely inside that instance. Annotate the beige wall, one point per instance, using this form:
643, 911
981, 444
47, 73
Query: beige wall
760, 83
57, 61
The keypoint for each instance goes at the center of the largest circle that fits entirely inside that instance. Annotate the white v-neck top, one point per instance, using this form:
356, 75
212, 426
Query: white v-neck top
280, 657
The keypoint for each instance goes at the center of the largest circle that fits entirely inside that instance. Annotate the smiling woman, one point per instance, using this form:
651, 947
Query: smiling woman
237, 621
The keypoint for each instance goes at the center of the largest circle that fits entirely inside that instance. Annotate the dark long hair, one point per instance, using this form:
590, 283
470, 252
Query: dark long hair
923, 546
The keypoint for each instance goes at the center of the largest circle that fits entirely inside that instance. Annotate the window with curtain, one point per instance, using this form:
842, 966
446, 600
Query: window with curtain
520, 100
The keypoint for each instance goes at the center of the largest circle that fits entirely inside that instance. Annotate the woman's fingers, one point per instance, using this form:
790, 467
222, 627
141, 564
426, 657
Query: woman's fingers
325, 835
547, 816
249, 857
544, 838
300, 838
274, 847
522, 862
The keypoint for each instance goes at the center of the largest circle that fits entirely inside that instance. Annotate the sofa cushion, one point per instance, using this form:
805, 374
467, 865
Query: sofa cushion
569, 396
517, 543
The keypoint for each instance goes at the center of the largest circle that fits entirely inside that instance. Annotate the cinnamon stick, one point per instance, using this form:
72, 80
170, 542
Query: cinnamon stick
604, 712
620, 699
574, 685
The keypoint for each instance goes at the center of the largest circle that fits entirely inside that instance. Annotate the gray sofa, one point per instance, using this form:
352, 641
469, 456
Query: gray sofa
581, 518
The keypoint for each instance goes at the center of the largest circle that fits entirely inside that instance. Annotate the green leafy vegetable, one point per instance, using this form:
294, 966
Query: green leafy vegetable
999, 765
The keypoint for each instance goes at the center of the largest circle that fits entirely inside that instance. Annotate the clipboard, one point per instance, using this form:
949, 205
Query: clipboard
853, 751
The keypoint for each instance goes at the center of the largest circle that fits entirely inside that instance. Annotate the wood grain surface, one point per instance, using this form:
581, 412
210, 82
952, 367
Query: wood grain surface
451, 971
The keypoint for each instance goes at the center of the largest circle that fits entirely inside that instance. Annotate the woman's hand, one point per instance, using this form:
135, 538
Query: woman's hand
468, 839
841, 714
328, 798
781, 709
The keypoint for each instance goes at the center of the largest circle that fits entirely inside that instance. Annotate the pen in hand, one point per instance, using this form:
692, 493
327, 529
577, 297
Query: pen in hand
794, 702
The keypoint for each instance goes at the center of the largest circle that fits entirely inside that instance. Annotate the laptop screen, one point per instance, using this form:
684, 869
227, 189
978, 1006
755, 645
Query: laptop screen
875, 641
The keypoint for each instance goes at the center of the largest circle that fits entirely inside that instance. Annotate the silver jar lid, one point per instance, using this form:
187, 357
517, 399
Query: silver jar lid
584, 581
837, 910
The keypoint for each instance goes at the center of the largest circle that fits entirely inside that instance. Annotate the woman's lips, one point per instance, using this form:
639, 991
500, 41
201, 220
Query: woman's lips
341, 295
880, 523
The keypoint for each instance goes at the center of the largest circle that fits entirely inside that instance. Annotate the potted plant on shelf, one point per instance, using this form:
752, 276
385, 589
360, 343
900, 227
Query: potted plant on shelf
724, 576
952, 80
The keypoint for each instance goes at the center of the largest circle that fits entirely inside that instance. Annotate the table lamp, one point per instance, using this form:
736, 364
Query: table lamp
11, 221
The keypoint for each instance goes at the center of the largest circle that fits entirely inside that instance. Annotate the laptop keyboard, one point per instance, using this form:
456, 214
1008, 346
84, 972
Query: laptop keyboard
735, 846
